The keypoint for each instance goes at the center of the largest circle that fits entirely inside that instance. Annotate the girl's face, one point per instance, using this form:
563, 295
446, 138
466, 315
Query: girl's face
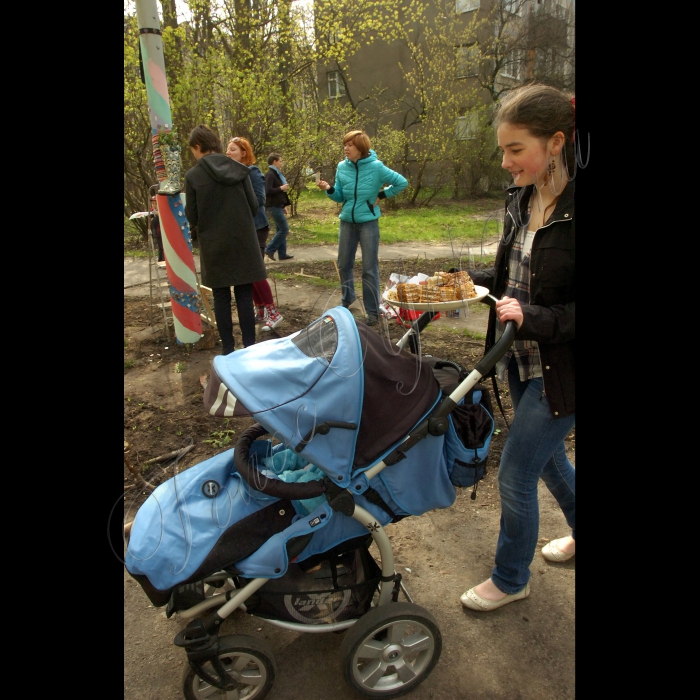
524, 155
233, 150
351, 151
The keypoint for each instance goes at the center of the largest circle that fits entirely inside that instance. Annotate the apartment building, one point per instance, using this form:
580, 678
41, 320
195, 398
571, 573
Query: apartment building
471, 52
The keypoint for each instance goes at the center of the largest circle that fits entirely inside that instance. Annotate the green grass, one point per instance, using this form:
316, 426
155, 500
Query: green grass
135, 253
134, 244
318, 281
474, 334
316, 223
444, 220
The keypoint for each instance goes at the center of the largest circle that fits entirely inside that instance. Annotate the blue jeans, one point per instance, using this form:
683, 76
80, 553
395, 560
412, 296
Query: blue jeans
367, 235
534, 448
279, 241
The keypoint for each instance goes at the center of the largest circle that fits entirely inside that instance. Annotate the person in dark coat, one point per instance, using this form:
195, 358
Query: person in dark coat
221, 203
534, 280
276, 203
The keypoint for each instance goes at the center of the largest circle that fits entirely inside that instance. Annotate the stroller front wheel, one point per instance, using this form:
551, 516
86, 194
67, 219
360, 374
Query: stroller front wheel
247, 659
390, 650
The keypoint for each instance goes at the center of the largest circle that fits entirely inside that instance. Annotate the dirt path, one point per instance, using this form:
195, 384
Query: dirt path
509, 653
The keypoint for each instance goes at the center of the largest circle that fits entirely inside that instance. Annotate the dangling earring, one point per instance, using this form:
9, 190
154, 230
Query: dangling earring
552, 166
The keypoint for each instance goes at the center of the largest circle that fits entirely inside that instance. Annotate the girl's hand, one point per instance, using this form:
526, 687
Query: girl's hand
508, 309
322, 184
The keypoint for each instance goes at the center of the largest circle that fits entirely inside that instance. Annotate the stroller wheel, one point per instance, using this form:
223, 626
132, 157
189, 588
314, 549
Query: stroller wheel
390, 650
247, 659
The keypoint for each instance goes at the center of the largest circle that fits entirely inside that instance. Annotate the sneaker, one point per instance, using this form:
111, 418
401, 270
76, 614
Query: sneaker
274, 318
260, 316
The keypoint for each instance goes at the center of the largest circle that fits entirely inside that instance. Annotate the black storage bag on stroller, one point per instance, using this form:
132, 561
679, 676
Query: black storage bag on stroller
471, 426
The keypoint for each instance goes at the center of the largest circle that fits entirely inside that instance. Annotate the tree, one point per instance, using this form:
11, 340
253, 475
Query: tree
518, 41
257, 68
139, 172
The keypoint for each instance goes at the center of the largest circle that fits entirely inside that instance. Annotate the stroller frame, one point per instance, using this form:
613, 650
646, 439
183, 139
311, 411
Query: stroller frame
402, 641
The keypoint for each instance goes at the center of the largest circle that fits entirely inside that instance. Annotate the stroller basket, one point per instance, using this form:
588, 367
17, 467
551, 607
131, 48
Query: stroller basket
339, 587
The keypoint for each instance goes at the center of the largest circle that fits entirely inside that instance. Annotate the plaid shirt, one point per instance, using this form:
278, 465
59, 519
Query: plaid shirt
526, 352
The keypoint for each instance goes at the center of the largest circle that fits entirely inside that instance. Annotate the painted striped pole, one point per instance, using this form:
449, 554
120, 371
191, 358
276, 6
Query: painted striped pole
175, 229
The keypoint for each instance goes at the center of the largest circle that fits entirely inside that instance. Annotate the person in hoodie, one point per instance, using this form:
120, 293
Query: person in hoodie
361, 182
221, 203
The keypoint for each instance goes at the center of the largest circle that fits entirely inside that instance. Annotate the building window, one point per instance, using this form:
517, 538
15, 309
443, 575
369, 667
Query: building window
466, 127
336, 87
511, 68
545, 61
466, 5
467, 61
515, 7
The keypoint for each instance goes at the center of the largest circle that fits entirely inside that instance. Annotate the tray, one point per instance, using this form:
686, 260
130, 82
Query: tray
481, 292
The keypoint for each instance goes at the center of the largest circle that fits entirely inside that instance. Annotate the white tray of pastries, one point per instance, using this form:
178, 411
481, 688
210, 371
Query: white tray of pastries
441, 292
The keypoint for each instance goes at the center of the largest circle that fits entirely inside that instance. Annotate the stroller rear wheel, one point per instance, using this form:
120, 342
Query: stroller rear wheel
390, 650
247, 659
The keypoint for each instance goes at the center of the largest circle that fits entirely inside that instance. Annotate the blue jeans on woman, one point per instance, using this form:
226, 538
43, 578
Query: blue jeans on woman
367, 235
534, 448
279, 240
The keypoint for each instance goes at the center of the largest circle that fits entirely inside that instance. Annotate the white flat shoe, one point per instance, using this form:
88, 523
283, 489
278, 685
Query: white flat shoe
472, 600
551, 551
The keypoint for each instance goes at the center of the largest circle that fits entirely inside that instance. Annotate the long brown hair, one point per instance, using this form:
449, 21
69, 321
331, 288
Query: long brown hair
542, 110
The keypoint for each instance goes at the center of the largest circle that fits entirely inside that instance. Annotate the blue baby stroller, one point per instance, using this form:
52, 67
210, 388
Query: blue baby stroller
368, 434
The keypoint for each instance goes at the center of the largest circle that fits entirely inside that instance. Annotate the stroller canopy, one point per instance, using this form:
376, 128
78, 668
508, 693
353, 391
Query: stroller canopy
337, 392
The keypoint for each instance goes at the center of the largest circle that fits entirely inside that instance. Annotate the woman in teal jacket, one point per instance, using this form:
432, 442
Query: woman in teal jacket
361, 180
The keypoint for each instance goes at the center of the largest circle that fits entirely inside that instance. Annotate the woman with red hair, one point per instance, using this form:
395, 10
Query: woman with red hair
239, 149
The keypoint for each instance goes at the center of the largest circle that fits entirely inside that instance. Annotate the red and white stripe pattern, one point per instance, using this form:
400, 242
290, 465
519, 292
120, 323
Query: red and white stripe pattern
179, 264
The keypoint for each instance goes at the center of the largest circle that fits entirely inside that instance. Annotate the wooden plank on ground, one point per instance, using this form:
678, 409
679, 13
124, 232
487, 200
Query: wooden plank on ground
204, 292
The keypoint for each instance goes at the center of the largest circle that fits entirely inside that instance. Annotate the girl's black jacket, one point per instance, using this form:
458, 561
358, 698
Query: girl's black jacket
549, 319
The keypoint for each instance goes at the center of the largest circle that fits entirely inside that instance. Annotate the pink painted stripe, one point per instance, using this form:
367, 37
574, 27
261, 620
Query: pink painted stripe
158, 79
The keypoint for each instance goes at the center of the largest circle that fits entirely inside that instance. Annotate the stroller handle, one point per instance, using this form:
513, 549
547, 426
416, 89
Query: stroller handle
260, 482
500, 348
481, 369
436, 422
